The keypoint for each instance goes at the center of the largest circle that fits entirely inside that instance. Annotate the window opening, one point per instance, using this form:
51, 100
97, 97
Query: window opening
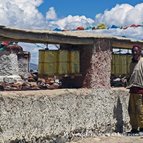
121, 59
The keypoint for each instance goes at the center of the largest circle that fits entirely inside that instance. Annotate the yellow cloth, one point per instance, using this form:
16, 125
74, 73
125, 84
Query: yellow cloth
136, 110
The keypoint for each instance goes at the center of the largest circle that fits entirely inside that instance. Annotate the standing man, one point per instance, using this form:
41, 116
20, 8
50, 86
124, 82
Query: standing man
136, 91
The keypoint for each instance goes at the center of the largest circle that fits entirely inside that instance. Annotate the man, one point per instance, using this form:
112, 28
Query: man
136, 91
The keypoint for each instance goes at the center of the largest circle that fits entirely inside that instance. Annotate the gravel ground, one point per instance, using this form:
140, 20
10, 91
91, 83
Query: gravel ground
111, 139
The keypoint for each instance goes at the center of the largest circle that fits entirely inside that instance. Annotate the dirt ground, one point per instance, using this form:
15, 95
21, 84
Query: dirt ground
111, 139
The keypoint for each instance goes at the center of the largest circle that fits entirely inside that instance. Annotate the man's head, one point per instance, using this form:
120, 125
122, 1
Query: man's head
136, 52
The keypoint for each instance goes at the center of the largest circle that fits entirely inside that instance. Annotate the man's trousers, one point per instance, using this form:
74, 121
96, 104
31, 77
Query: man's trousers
136, 110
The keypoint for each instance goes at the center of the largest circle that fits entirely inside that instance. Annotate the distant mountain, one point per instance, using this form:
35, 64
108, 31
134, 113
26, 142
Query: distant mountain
33, 66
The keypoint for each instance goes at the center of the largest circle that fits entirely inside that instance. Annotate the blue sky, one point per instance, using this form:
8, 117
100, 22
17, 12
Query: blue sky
89, 8
69, 14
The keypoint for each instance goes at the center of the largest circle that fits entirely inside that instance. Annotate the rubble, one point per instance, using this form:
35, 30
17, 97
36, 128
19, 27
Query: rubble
29, 82
14, 70
118, 81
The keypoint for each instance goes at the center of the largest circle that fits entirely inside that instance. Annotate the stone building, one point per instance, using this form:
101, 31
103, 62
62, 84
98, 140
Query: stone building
60, 115
14, 62
95, 50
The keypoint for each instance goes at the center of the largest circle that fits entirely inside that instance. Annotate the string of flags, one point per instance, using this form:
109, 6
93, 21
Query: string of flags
101, 26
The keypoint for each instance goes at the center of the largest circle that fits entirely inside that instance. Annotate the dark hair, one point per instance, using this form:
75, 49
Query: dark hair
134, 60
139, 47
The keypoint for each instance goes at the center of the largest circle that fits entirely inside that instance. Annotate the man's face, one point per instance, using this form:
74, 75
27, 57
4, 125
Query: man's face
136, 52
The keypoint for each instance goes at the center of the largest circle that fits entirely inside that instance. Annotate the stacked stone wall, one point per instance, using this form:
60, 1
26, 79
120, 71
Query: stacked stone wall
96, 64
8, 64
62, 113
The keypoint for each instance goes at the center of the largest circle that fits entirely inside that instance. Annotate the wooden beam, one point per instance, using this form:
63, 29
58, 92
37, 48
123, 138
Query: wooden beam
125, 44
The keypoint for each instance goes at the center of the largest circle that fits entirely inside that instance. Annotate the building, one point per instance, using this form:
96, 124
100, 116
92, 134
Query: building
95, 50
14, 61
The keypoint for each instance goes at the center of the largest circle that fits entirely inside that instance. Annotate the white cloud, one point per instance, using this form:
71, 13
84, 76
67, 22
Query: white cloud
21, 13
122, 15
72, 22
25, 14
51, 14
134, 33
135, 15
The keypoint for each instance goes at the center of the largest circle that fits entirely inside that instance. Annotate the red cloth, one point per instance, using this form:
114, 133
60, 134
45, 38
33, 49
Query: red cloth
5, 43
136, 90
80, 28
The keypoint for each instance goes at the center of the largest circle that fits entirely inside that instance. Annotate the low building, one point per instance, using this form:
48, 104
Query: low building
95, 50
14, 62
61, 115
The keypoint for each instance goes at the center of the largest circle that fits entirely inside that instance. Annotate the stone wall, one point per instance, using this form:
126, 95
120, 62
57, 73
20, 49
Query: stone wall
23, 63
65, 112
11, 66
8, 64
23, 66
96, 64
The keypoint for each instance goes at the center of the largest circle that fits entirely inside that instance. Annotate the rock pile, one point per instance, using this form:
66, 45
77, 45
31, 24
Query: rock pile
29, 82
